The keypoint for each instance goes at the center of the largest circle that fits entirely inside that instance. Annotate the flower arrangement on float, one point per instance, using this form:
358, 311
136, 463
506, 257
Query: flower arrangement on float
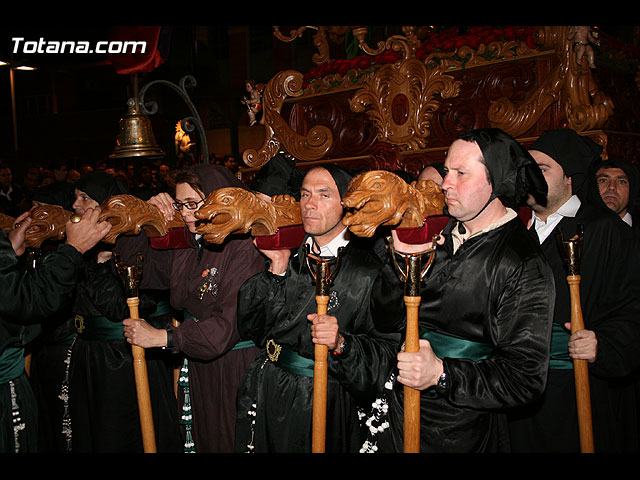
443, 41
450, 39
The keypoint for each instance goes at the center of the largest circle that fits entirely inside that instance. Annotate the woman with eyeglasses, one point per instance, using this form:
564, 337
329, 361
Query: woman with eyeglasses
203, 280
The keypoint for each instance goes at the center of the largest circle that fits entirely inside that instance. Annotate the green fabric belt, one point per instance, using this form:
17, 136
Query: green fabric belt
11, 364
289, 360
238, 346
560, 359
163, 307
448, 346
98, 329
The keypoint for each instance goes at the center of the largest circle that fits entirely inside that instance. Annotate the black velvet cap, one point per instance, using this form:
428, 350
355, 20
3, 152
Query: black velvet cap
512, 170
340, 176
101, 185
573, 152
278, 176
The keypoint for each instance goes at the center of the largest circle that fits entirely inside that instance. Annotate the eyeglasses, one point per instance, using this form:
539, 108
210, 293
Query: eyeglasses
190, 205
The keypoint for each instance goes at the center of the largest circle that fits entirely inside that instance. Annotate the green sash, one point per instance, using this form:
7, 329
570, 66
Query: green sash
289, 360
98, 329
11, 364
163, 307
452, 347
560, 359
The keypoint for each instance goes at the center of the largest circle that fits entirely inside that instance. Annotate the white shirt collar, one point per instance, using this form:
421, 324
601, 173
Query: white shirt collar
627, 218
331, 248
568, 209
458, 238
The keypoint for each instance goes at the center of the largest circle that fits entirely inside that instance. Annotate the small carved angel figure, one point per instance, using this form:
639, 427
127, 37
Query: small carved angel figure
583, 37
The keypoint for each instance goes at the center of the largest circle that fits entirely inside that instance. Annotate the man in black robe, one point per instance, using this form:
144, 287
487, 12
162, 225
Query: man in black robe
277, 310
609, 292
29, 298
484, 317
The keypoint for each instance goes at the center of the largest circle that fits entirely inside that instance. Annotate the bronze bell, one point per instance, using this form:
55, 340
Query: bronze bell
135, 136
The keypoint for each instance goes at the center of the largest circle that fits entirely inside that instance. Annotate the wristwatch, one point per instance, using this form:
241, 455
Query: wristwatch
442, 384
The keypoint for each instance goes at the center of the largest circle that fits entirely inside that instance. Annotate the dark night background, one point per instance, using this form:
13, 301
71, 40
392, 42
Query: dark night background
70, 107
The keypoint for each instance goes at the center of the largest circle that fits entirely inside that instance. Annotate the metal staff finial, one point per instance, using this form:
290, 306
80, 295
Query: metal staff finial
414, 270
129, 274
571, 250
322, 274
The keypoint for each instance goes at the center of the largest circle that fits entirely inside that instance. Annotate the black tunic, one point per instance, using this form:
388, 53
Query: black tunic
102, 390
495, 291
276, 308
609, 293
28, 298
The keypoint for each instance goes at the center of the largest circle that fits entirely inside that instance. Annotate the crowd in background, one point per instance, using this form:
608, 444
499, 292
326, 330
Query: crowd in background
144, 178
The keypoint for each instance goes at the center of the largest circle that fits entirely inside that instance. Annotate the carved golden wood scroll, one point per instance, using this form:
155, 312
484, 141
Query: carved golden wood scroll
127, 214
313, 146
335, 33
6, 222
571, 80
236, 210
47, 222
401, 98
380, 198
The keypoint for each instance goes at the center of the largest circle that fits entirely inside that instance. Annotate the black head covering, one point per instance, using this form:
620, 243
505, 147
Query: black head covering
101, 185
513, 172
278, 177
214, 177
340, 176
56, 193
573, 152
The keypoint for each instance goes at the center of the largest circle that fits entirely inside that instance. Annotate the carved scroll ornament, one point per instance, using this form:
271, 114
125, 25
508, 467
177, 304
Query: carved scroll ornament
586, 108
47, 222
380, 197
401, 99
236, 210
313, 146
127, 214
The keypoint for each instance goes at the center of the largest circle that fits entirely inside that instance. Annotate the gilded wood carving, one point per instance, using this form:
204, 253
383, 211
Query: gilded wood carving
236, 210
586, 108
129, 215
47, 223
401, 98
380, 197
6, 222
313, 146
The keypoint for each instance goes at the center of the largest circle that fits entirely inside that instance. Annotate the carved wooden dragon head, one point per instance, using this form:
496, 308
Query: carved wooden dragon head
380, 198
236, 210
128, 215
47, 223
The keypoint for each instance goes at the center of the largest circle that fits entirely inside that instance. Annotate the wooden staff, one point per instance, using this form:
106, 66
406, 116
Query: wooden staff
323, 279
130, 275
572, 250
412, 274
